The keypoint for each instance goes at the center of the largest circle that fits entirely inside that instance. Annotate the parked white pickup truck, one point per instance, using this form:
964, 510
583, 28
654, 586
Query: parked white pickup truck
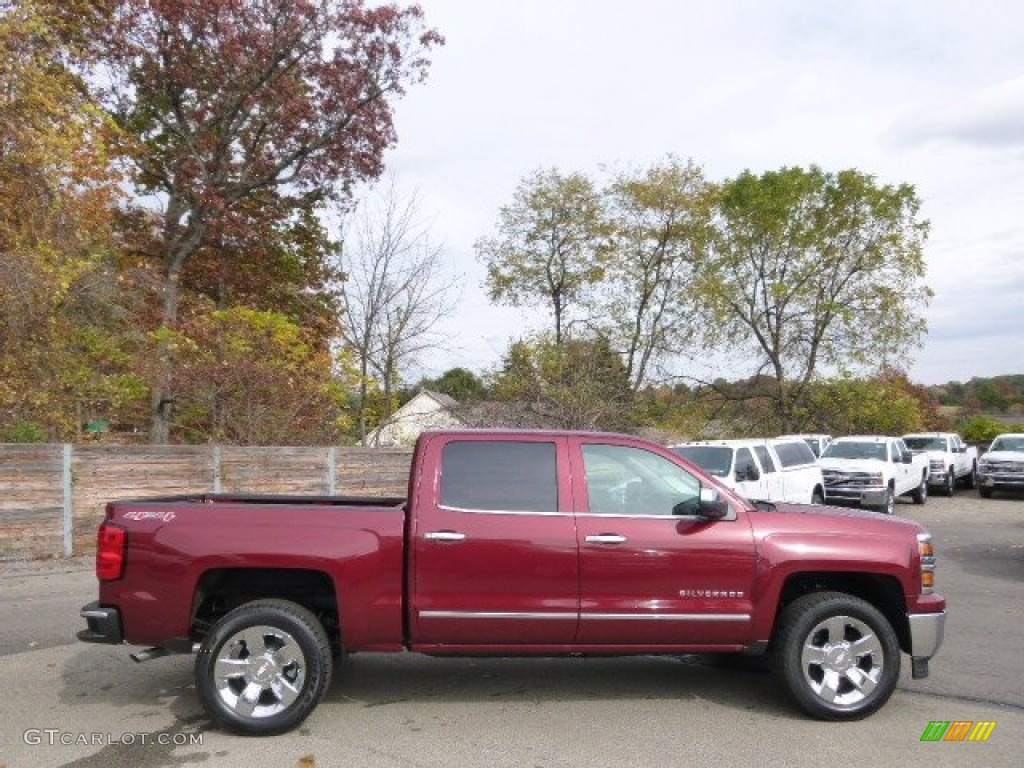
872, 471
1002, 465
761, 470
950, 459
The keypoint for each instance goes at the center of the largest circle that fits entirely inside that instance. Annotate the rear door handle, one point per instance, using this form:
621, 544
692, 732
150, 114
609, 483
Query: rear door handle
606, 538
444, 536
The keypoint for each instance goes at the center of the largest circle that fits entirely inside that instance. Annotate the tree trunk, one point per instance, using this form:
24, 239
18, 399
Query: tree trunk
163, 392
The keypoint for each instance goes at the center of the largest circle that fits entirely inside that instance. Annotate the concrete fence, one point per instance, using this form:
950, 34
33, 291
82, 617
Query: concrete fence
52, 497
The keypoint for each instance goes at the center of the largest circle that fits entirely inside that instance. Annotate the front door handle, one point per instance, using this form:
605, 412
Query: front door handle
606, 538
444, 536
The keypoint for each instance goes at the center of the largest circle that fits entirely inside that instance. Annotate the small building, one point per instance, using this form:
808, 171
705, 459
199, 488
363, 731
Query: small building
427, 410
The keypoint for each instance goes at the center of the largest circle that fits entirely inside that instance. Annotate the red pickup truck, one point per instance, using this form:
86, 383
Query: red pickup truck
516, 543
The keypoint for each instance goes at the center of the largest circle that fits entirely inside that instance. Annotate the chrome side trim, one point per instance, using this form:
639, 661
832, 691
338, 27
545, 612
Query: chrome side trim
586, 616
503, 512
666, 616
495, 615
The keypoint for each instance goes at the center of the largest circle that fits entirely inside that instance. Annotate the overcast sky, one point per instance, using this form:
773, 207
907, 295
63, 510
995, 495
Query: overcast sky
928, 92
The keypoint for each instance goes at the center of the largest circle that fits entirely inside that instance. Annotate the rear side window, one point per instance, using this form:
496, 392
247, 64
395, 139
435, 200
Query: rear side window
500, 475
795, 454
765, 458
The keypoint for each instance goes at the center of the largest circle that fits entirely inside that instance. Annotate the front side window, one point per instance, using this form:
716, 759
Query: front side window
744, 465
500, 475
622, 480
765, 458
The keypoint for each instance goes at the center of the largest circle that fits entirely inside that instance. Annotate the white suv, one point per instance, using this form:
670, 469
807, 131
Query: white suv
761, 470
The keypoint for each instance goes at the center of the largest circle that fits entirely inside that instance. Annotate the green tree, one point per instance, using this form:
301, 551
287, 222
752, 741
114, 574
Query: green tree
981, 428
460, 384
813, 269
576, 384
661, 220
881, 405
550, 248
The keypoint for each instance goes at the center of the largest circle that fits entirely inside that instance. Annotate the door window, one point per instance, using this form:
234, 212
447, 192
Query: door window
622, 480
500, 475
765, 458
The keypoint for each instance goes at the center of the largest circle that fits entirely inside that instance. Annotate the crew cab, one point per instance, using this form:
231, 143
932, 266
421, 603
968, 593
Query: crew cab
1001, 467
761, 470
950, 460
872, 470
515, 543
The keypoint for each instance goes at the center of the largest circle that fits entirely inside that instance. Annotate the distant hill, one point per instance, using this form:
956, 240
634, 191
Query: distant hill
996, 395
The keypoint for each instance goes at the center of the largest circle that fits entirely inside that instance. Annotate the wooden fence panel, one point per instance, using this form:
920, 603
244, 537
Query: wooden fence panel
372, 471
53, 497
112, 473
31, 500
273, 470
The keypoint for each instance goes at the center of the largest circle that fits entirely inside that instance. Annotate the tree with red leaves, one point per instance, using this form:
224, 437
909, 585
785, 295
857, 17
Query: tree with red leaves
228, 101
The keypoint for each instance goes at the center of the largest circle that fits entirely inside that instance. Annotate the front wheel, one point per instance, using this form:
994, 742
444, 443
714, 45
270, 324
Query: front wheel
888, 507
263, 667
836, 655
818, 496
949, 483
972, 477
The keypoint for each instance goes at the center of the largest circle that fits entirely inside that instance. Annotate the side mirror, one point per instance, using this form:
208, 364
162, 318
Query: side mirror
711, 505
908, 458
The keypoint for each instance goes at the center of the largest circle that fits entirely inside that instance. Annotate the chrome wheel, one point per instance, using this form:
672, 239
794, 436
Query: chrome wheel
842, 661
259, 671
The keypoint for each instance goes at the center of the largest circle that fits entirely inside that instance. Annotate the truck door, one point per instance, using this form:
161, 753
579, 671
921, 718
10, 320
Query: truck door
651, 573
750, 479
773, 476
494, 555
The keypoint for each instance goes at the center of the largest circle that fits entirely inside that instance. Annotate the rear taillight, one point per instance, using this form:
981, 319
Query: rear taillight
110, 552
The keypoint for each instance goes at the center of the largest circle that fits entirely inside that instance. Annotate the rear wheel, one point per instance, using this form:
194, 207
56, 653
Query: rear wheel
971, 480
836, 655
263, 667
920, 494
818, 496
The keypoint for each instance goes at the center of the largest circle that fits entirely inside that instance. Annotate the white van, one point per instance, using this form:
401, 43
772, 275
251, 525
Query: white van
761, 470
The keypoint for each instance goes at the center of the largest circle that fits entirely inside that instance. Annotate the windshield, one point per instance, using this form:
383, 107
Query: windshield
1008, 443
814, 445
714, 459
925, 443
853, 450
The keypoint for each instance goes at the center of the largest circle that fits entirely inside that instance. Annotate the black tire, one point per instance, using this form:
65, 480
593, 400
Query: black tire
888, 507
290, 676
949, 483
985, 493
836, 655
920, 494
818, 496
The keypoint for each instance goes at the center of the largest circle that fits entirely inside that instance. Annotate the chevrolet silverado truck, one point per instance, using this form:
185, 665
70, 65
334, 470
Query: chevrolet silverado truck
951, 461
515, 543
872, 471
1001, 467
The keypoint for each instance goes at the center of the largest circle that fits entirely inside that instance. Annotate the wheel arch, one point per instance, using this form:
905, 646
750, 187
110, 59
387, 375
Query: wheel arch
221, 590
883, 592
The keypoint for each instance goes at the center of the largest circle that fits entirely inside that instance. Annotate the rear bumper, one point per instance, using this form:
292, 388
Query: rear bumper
103, 624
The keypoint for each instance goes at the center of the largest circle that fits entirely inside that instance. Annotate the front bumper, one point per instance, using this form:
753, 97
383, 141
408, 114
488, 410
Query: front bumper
927, 631
867, 496
1001, 480
104, 624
